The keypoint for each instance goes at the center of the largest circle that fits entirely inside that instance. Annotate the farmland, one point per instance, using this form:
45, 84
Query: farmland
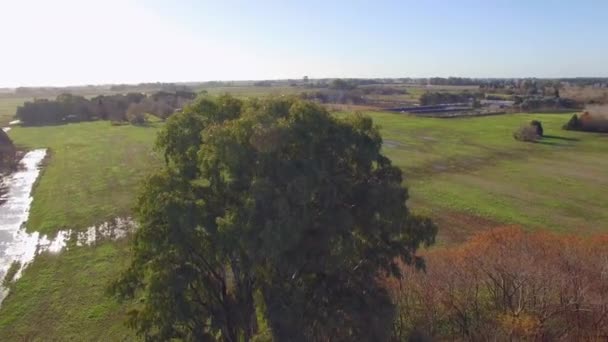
468, 174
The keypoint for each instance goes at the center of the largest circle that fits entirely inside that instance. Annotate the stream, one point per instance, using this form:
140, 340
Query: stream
16, 245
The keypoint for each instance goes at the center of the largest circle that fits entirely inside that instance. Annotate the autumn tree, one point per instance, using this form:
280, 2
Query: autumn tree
507, 284
269, 205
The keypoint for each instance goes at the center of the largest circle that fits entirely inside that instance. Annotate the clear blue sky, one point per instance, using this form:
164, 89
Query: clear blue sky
75, 42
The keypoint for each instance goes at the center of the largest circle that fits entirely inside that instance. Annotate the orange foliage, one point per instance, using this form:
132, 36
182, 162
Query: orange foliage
507, 284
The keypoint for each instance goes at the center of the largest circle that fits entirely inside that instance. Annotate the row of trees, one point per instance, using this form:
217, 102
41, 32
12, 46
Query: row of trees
269, 216
74, 108
454, 81
507, 284
354, 96
536, 103
435, 98
150, 87
343, 92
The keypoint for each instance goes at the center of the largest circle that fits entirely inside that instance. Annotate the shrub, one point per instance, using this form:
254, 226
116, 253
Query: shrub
573, 124
538, 126
136, 114
507, 284
594, 119
528, 133
7, 153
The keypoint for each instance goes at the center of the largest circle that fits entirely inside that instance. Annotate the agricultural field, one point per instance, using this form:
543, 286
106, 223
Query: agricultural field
468, 174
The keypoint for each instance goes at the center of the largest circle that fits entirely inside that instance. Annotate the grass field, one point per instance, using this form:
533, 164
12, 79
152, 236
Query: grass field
253, 91
92, 172
474, 167
62, 298
468, 174
8, 108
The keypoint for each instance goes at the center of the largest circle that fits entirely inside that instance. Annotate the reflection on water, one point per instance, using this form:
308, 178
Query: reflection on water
15, 201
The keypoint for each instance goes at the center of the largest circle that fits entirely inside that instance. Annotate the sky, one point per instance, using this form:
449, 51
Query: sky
75, 42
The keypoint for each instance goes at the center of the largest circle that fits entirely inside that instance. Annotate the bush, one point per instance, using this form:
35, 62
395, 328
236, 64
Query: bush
538, 126
136, 114
528, 133
593, 120
573, 124
7, 153
507, 284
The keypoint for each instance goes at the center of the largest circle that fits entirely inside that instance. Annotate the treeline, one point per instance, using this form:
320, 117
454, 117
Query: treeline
454, 81
150, 87
353, 96
435, 98
507, 285
532, 103
120, 107
55, 91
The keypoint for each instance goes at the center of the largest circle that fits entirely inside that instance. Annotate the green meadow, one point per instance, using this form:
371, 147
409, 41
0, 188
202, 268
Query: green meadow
62, 297
473, 166
468, 174
91, 173
8, 108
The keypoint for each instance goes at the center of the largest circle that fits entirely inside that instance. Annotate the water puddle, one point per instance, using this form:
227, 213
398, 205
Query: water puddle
14, 122
18, 246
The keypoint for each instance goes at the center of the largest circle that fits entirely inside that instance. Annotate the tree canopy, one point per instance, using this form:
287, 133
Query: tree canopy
117, 107
269, 213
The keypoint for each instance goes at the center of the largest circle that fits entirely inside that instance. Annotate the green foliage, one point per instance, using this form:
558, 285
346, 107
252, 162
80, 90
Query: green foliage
435, 98
341, 84
274, 197
538, 126
118, 107
573, 124
7, 153
527, 133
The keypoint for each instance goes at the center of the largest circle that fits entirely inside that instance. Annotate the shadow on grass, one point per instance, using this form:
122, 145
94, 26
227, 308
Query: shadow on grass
560, 138
551, 143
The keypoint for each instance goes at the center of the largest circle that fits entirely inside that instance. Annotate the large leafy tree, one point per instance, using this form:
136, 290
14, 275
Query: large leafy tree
269, 209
